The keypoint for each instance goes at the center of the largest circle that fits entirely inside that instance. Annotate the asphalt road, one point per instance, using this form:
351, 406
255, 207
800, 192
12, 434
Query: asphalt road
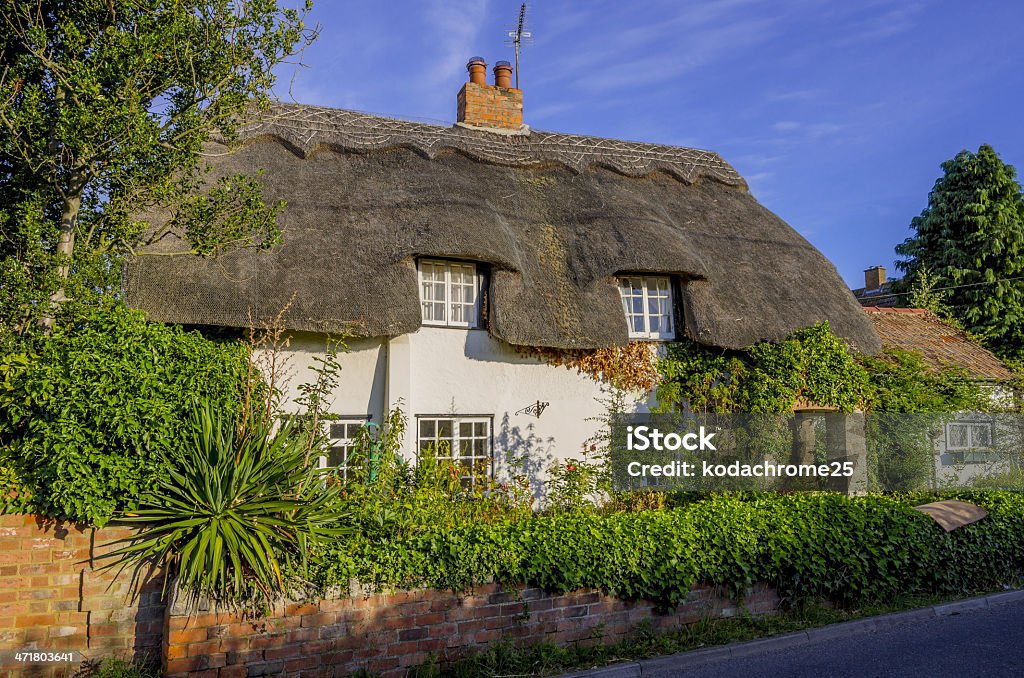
972, 644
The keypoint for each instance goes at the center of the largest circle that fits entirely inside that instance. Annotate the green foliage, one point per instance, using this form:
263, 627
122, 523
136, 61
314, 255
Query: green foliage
820, 545
115, 668
901, 382
393, 499
313, 396
811, 364
231, 516
910, 404
104, 110
507, 658
574, 483
971, 238
923, 294
86, 420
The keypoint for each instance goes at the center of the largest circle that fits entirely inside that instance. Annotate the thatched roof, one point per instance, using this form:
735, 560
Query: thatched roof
556, 217
939, 343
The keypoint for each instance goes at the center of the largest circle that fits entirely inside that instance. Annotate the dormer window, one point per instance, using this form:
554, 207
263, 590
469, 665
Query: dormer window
449, 293
647, 301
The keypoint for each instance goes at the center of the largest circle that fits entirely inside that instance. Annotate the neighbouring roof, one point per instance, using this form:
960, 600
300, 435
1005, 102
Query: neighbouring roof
555, 216
941, 344
880, 297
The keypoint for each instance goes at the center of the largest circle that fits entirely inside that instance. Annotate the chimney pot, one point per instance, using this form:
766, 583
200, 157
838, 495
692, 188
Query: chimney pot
477, 68
497, 107
874, 277
503, 74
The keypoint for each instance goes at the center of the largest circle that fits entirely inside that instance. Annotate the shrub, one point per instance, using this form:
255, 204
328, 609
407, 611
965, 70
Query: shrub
821, 545
87, 417
235, 513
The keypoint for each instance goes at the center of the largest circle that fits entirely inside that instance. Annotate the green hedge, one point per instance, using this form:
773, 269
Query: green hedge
825, 545
84, 419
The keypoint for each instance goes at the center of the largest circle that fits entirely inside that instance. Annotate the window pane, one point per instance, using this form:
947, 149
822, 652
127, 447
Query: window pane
956, 436
981, 436
427, 428
444, 428
337, 455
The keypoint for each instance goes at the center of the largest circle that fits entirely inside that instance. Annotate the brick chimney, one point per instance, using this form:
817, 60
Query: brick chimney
498, 106
874, 277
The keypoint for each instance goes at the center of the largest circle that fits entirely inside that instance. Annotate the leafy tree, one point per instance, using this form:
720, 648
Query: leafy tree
105, 106
923, 294
971, 239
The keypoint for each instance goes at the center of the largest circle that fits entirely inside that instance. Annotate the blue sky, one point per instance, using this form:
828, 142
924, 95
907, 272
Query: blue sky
838, 114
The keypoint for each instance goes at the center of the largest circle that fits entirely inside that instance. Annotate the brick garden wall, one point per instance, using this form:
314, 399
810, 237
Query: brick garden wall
387, 634
52, 597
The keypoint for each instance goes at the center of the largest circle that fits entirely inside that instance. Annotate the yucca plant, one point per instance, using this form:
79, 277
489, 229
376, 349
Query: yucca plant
235, 515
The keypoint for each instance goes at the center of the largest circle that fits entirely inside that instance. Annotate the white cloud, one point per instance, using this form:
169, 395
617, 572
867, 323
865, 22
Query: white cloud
455, 26
786, 126
902, 17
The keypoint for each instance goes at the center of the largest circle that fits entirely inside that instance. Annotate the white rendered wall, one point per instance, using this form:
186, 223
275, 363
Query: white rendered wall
446, 371
360, 391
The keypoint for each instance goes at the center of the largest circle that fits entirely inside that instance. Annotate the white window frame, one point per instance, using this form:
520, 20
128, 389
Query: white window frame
971, 453
652, 288
345, 441
485, 440
428, 303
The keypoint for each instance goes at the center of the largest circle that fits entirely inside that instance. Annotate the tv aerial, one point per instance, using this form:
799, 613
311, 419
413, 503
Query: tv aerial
519, 37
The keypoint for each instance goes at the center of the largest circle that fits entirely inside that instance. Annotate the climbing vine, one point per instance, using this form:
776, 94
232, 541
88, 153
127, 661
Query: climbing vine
810, 365
633, 367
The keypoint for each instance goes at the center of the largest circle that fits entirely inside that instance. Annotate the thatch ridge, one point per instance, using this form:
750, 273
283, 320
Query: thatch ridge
309, 128
555, 227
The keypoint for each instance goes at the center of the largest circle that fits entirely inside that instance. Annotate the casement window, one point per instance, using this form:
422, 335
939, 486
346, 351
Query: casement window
647, 302
464, 440
969, 442
450, 293
341, 439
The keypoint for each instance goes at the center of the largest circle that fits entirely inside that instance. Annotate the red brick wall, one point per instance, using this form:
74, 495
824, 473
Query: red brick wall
52, 597
386, 634
489, 106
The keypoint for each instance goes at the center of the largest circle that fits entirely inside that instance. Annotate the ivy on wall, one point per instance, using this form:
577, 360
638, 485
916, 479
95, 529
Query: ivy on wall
811, 366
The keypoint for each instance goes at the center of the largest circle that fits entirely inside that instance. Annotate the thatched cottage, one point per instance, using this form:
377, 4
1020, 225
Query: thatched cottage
444, 251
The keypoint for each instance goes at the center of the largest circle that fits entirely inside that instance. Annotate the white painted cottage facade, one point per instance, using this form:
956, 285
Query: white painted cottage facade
445, 254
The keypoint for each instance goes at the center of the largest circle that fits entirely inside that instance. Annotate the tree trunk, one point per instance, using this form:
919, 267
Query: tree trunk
65, 251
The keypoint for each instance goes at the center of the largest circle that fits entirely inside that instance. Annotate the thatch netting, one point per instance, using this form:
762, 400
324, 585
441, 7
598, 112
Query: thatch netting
555, 216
